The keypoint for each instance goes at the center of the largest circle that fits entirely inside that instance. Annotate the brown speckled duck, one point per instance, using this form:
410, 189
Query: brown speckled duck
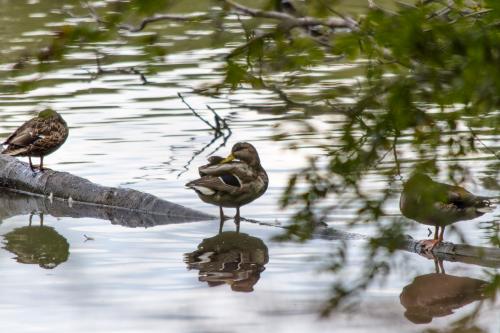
38, 137
437, 204
232, 182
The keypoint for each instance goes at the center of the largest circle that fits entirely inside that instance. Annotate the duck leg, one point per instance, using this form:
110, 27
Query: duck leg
41, 163
237, 219
429, 244
221, 224
441, 235
31, 164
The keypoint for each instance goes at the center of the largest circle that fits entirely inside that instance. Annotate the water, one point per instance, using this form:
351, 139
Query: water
114, 278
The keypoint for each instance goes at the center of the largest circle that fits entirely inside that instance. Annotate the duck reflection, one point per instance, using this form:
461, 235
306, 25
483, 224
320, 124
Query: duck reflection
40, 245
437, 204
438, 294
230, 258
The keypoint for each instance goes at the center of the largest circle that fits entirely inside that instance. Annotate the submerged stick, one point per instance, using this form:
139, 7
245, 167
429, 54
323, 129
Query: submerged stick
17, 176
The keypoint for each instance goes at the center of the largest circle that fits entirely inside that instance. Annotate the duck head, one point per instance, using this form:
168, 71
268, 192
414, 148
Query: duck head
244, 152
48, 113
417, 179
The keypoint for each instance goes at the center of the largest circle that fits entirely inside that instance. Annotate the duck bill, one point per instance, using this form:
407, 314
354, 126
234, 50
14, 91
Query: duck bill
228, 159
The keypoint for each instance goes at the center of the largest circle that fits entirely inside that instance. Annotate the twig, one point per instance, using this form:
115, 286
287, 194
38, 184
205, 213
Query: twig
197, 114
219, 120
164, 17
197, 153
482, 143
93, 12
127, 70
248, 43
87, 238
220, 126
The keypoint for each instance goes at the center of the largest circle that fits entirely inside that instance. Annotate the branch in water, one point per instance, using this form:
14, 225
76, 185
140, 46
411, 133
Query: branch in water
194, 17
126, 70
220, 127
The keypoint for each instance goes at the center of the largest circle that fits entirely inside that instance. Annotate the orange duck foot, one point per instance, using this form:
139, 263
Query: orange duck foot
429, 244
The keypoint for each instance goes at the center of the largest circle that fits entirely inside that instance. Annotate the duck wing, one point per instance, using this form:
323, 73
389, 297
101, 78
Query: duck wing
22, 138
462, 198
238, 170
208, 185
212, 160
36, 135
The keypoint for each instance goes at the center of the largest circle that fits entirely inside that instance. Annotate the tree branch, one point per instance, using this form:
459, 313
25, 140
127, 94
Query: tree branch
305, 21
194, 17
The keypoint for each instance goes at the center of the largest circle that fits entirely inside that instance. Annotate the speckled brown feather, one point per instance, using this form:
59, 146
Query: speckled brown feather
37, 137
250, 175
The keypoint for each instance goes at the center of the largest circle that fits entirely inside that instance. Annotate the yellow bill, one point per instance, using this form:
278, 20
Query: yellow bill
228, 159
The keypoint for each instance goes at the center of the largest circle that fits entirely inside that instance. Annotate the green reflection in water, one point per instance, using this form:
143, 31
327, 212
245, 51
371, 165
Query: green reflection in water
230, 258
40, 245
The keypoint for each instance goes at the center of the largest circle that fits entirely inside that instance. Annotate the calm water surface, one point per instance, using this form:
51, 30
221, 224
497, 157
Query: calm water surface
84, 274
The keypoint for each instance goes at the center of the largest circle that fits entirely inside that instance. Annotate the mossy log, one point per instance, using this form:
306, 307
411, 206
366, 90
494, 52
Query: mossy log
84, 198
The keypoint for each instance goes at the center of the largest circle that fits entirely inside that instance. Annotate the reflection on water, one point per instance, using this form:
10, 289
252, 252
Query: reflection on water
232, 258
439, 294
39, 245
13, 204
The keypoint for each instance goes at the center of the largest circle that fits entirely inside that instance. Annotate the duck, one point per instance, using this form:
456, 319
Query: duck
38, 137
231, 182
438, 204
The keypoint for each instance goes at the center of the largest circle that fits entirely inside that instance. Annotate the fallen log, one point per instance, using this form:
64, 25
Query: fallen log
79, 192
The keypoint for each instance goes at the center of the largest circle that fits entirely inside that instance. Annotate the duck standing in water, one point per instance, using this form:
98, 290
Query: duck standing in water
232, 182
437, 204
38, 137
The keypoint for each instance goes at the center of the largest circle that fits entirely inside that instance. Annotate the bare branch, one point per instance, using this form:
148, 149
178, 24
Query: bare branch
197, 114
333, 22
194, 17
219, 133
126, 70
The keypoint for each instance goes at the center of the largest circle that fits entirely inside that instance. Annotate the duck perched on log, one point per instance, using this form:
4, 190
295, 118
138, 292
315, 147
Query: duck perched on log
38, 137
437, 204
233, 181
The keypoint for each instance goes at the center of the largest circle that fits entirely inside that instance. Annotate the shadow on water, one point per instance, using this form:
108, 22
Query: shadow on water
41, 245
232, 258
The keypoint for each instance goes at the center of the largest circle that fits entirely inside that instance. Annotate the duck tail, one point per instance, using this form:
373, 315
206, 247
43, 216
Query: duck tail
487, 204
13, 151
494, 200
